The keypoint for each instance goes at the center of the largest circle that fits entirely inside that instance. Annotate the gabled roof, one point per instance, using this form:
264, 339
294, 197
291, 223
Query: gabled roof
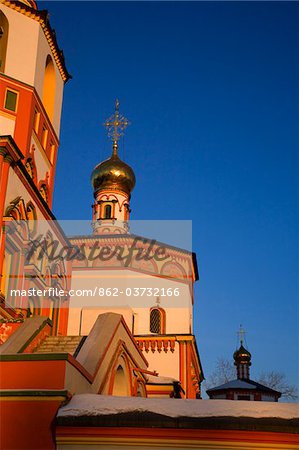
243, 384
101, 338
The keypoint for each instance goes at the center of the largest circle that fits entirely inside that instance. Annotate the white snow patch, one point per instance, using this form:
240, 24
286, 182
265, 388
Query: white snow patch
97, 405
157, 379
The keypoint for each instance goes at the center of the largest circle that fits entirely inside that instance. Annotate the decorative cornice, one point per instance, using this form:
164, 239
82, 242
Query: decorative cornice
8, 158
9, 149
154, 344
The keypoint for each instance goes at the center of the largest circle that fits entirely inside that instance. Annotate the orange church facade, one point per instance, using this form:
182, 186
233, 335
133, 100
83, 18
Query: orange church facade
57, 352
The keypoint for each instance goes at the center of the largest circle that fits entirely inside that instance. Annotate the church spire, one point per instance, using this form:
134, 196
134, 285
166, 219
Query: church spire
242, 358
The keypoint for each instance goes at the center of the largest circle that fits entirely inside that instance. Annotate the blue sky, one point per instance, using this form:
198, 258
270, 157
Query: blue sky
211, 90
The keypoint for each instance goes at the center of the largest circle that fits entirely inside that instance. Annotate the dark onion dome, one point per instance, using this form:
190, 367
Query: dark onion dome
242, 356
113, 174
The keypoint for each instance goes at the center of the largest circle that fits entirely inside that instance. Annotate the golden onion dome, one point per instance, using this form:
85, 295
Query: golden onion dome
113, 174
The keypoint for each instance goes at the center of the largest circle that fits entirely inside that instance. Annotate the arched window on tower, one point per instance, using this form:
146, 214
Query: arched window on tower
107, 212
157, 321
3, 40
49, 87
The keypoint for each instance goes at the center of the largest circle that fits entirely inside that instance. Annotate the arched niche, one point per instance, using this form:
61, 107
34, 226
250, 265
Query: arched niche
120, 386
49, 88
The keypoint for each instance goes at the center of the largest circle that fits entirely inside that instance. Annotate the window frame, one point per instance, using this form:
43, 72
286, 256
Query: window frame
11, 111
162, 328
108, 208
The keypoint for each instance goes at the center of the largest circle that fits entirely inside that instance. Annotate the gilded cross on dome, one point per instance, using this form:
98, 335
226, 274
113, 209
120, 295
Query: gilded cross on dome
116, 125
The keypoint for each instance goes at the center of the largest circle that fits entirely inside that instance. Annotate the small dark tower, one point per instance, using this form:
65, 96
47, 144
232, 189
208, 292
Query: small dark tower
243, 388
242, 359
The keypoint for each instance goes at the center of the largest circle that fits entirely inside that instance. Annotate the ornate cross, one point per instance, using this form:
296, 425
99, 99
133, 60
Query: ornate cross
116, 125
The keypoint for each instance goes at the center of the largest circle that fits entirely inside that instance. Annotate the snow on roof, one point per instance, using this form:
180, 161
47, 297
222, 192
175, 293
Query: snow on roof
101, 405
156, 379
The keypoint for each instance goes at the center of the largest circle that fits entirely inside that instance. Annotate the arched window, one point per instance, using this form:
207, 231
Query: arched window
3, 40
157, 321
107, 212
49, 87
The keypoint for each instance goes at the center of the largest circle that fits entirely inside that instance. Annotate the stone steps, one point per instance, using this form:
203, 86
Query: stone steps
59, 344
